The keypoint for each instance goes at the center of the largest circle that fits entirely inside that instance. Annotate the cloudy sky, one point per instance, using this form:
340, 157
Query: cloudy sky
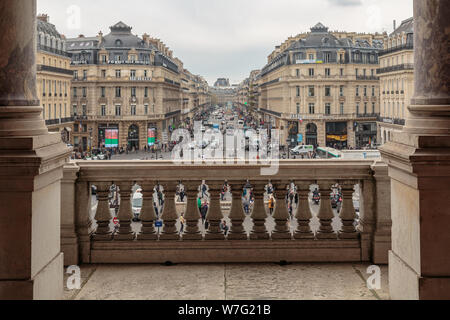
223, 38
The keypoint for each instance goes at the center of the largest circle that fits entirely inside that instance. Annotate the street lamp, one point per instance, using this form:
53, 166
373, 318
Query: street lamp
90, 139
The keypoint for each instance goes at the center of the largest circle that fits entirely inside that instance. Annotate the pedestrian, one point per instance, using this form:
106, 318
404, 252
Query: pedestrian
224, 227
206, 225
204, 188
271, 204
182, 222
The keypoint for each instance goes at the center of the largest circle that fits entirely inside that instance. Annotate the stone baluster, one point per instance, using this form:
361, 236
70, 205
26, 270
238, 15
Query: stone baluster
148, 214
326, 214
214, 215
125, 213
304, 214
103, 214
237, 216
348, 213
281, 215
192, 215
169, 215
259, 214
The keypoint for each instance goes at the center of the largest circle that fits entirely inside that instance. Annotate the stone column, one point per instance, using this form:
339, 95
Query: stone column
348, 213
169, 215
419, 166
69, 239
237, 216
281, 215
148, 214
326, 214
125, 215
31, 168
259, 214
214, 216
84, 219
192, 215
303, 215
103, 215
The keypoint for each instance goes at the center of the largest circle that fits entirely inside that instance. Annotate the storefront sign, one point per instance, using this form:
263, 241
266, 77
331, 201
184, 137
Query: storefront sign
111, 138
151, 137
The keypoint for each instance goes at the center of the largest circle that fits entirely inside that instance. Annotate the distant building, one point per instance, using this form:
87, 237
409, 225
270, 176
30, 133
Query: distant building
54, 78
397, 79
222, 82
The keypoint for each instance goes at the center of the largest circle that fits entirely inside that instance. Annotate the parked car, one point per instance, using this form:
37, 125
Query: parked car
298, 150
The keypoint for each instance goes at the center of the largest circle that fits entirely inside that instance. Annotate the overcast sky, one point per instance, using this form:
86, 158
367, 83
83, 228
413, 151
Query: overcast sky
223, 38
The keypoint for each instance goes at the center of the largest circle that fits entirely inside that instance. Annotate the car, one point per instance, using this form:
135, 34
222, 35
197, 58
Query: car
302, 150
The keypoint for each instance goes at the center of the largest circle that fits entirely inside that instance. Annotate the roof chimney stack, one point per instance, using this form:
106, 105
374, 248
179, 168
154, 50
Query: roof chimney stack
395, 25
43, 17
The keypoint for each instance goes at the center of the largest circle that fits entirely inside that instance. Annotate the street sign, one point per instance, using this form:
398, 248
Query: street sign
165, 137
300, 138
158, 224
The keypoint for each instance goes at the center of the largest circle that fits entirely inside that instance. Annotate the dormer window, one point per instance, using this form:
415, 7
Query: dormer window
118, 43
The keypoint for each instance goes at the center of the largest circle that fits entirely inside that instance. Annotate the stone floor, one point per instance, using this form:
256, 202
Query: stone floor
228, 282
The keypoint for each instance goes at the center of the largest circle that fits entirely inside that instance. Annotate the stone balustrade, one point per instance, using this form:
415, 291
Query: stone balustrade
304, 233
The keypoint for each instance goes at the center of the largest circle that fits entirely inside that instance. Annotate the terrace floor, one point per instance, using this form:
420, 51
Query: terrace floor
228, 282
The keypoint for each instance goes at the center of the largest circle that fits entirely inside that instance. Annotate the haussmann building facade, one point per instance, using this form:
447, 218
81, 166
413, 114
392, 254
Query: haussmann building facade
126, 90
322, 89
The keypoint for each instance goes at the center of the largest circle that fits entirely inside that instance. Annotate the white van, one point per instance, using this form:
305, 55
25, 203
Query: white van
298, 150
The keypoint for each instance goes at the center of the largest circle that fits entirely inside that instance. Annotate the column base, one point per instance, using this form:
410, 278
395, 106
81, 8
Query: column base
124, 237
170, 237
48, 284
259, 236
237, 236
193, 237
150, 237
214, 236
281, 236
304, 236
346, 236
327, 236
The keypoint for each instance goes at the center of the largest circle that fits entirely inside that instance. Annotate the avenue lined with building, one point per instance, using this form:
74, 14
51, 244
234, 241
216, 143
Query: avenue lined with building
377, 104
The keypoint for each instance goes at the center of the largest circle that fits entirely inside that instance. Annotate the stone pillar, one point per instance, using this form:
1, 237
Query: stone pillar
192, 215
148, 214
419, 166
69, 239
326, 214
169, 215
31, 168
281, 215
237, 216
214, 215
304, 215
125, 215
84, 225
348, 214
259, 214
103, 215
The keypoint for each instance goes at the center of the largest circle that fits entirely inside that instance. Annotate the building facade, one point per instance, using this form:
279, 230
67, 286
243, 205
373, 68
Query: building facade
396, 79
54, 78
126, 92
321, 89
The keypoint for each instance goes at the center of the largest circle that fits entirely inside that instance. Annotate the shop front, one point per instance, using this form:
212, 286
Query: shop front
108, 136
337, 135
366, 135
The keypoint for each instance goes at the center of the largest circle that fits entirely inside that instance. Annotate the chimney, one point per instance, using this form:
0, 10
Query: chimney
43, 17
395, 25
145, 37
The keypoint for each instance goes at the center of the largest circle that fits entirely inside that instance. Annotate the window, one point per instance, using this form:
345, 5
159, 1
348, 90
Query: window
133, 74
298, 108
327, 109
365, 107
84, 90
356, 72
373, 91
298, 73
357, 91
311, 108
84, 109
43, 111
74, 108
327, 91
146, 109
327, 72
365, 91
75, 75
65, 110
297, 88
311, 91
43, 88
311, 72
357, 108
145, 73
311, 56
373, 107
341, 107
118, 111
341, 91
84, 74
103, 110
133, 92
342, 72
75, 92
103, 74
118, 92
133, 110
103, 92
118, 74
146, 92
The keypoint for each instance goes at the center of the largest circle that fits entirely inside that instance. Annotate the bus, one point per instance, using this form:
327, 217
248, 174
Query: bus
328, 153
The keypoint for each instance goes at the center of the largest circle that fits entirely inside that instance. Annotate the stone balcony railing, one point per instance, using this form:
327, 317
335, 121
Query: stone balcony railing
88, 234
